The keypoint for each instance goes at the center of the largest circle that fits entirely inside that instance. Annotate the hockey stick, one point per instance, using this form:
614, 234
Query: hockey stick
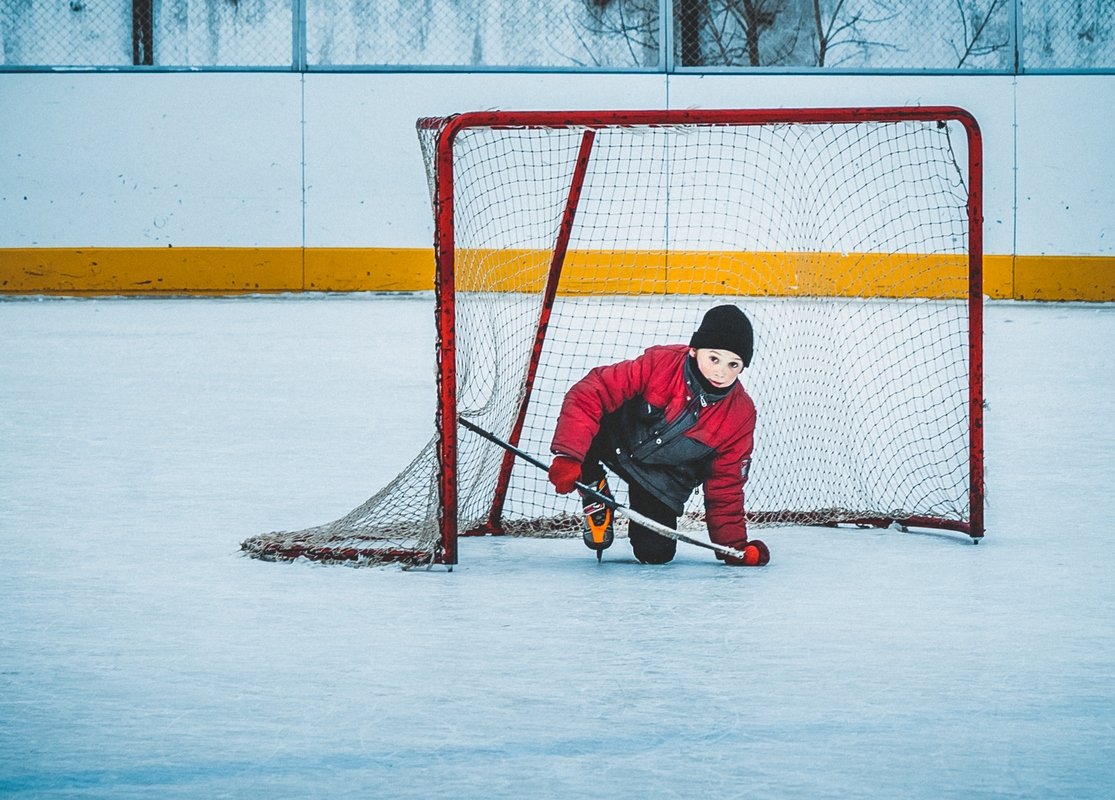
632, 515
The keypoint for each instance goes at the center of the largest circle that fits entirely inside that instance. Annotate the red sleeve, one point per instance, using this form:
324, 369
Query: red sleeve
724, 496
600, 392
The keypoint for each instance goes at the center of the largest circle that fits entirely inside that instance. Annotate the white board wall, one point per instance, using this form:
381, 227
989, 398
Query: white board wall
332, 160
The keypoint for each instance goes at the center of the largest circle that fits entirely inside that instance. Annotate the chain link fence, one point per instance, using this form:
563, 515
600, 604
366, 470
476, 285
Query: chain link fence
994, 36
1076, 35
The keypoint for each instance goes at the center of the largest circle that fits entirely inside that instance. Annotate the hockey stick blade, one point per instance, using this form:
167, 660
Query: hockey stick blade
632, 515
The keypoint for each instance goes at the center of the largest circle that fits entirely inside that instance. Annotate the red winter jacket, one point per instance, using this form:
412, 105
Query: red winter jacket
663, 431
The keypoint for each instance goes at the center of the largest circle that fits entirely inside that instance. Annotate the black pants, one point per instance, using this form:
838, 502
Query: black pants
648, 546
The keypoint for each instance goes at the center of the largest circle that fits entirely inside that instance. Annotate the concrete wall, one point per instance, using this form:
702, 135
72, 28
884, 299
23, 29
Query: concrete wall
228, 182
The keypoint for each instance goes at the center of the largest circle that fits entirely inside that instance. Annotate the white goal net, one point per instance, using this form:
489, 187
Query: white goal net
565, 241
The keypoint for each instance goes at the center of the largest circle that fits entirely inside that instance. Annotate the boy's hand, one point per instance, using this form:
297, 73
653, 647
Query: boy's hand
755, 554
564, 473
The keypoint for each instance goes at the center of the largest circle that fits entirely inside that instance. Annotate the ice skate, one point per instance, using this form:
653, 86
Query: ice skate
599, 518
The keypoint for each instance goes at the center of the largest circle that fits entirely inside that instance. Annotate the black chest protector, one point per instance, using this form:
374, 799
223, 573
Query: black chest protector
641, 446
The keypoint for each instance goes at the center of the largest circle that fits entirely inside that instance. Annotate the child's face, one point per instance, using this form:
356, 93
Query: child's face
720, 367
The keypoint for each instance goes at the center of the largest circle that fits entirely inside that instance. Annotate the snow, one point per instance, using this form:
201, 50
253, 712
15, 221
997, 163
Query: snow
142, 656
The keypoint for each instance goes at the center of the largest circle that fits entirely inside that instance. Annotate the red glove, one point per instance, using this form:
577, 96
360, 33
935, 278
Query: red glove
755, 554
564, 474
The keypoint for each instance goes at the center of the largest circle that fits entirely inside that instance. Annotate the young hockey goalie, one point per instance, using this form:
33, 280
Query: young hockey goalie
665, 422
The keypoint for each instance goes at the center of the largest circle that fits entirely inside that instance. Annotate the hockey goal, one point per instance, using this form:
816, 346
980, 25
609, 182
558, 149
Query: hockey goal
851, 237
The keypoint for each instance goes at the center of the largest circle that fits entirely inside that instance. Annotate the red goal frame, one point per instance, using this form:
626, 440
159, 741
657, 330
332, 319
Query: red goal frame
591, 122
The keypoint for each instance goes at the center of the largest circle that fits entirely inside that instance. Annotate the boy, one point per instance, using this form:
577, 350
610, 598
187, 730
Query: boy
665, 422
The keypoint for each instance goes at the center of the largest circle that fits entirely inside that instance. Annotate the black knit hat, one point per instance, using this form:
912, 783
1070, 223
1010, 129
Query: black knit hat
726, 328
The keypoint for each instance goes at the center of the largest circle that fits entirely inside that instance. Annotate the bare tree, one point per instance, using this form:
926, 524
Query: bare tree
835, 27
709, 32
757, 16
977, 26
787, 32
688, 19
634, 21
734, 31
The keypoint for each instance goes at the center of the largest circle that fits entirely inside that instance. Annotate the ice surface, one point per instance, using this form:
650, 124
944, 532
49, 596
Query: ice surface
141, 656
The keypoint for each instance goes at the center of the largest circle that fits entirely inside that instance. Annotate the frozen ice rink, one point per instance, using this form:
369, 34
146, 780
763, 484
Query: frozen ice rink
141, 656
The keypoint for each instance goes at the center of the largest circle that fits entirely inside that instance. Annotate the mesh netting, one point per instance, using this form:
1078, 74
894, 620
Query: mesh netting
846, 244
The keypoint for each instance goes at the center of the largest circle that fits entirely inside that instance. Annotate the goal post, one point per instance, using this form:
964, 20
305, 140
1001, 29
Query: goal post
852, 237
